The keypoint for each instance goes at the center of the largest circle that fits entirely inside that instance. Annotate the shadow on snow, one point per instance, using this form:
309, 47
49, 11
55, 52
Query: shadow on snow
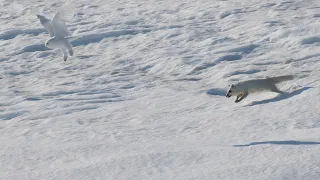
281, 97
88, 39
289, 142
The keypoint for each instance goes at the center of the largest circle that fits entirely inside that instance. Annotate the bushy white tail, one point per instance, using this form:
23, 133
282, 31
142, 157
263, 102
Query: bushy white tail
280, 79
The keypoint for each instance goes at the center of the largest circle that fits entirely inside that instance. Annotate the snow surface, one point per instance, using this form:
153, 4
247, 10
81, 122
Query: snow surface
144, 95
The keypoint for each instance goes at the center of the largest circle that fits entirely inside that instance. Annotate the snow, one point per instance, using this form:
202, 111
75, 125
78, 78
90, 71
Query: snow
144, 95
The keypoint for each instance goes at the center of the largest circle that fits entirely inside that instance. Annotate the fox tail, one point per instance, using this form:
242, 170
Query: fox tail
280, 79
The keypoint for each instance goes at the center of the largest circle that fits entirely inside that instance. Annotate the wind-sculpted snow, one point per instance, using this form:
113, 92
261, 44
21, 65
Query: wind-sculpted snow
10, 34
143, 96
95, 38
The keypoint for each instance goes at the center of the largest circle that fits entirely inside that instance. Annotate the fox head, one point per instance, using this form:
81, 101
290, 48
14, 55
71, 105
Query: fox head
231, 90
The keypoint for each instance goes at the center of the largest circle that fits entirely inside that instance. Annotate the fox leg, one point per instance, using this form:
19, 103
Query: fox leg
275, 89
240, 97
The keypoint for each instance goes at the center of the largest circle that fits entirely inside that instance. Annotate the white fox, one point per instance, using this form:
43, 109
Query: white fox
242, 89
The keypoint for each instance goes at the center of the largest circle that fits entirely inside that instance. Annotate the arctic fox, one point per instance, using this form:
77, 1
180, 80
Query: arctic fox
242, 89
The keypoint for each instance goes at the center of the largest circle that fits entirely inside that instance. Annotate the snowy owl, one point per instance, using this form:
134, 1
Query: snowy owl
58, 30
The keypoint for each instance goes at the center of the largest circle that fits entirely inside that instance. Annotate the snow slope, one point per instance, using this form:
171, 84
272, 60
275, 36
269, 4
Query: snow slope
143, 97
